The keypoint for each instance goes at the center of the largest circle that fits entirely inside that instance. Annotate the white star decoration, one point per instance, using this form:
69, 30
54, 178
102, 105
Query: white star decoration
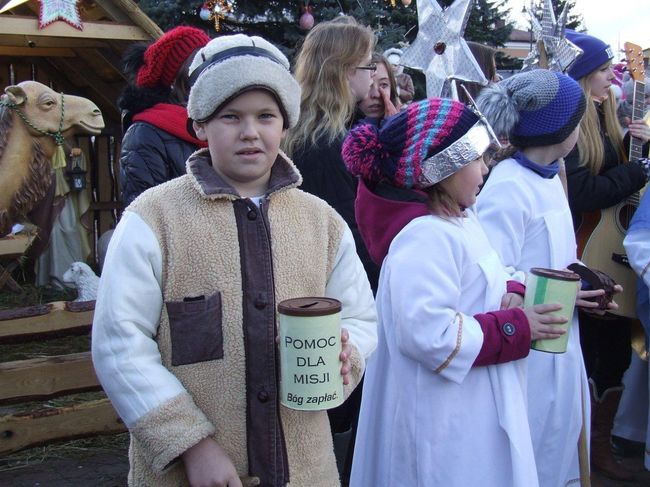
53, 10
439, 49
560, 52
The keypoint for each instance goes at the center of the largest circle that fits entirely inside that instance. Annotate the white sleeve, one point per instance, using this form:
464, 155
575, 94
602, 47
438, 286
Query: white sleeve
349, 284
129, 303
637, 246
502, 212
424, 270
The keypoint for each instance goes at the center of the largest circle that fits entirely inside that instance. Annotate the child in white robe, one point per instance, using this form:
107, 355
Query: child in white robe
524, 210
444, 400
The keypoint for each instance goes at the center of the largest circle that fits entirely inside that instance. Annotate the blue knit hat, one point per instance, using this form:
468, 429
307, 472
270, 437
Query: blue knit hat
420, 146
595, 54
535, 108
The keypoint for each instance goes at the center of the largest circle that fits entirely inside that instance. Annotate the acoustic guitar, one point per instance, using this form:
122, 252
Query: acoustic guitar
600, 236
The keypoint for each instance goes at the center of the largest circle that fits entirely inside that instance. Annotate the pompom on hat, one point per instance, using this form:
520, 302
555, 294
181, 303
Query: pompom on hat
420, 146
595, 53
533, 109
229, 65
164, 58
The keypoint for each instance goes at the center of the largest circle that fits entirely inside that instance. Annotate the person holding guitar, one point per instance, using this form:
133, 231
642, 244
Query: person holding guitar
599, 177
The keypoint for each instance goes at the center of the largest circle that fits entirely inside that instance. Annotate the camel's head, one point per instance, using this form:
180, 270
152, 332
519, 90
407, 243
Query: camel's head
42, 107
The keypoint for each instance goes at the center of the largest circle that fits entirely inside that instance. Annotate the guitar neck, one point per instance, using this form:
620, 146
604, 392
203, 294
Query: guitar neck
638, 107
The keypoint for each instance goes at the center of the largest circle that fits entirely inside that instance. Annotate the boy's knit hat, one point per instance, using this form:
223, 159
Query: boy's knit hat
227, 65
420, 146
595, 53
535, 108
164, 58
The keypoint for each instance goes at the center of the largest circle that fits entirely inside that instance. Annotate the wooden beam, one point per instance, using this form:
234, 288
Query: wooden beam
103, 94
60, 80
9, 4
106, 206
13, 24
18, 431
43, 378
98, 64
24, 41
56, 322
15, 245
36, 51
112, 11
114, 58
139, 17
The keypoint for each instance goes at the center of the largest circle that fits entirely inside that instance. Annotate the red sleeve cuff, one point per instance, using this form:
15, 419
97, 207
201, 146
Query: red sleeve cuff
515, 287
506, 336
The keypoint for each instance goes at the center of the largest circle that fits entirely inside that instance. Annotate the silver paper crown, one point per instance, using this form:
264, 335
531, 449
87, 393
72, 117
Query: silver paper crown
468, 148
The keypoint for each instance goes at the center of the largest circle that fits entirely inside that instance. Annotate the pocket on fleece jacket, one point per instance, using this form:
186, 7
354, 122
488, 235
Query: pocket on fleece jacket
195, 328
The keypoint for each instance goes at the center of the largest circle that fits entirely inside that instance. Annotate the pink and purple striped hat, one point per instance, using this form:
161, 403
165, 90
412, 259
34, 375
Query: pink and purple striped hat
418, 147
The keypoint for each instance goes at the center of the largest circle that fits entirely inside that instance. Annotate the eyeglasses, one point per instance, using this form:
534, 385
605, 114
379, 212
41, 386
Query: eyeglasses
370, 67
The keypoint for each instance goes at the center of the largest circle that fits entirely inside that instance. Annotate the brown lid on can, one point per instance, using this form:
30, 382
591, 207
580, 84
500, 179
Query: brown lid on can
555, 274
309, 306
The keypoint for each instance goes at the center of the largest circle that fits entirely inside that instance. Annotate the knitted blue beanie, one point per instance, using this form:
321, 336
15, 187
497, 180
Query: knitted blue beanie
595, 54
533, 109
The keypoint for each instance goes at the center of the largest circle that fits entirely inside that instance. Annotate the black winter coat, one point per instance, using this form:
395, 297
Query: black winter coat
324, 174
615, 181
150, 156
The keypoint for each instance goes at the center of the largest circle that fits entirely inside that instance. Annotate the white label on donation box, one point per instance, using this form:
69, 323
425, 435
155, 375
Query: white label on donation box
310, 345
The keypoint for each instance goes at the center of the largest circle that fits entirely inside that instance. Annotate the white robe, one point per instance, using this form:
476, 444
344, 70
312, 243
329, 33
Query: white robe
428, 418
529, 223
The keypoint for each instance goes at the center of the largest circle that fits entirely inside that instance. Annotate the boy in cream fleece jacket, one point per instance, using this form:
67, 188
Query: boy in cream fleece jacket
185, 323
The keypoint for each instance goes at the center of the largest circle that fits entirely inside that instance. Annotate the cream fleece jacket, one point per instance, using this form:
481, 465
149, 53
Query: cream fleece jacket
156, 256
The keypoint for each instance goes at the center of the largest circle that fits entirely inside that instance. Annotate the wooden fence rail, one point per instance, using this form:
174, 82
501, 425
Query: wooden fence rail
44, 378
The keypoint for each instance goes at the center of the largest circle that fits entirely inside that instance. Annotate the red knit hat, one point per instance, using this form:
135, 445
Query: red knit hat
164, 58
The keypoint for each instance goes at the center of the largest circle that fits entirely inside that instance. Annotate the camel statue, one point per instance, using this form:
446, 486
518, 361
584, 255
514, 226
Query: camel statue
34, 121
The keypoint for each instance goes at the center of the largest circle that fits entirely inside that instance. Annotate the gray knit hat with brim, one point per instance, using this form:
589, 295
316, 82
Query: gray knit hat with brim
229, 65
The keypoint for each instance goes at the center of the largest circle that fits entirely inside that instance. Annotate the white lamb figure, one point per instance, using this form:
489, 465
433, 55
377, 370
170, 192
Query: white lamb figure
84, 279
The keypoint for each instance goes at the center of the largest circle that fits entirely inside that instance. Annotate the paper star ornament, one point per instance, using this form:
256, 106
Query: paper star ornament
439, 49
558, 53
53, 10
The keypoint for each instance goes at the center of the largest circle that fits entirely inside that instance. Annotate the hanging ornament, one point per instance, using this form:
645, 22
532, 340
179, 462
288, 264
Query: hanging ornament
406, 3
306, 20
53, 10
551, 50
204, 13
393, 3
439, 49
216, 11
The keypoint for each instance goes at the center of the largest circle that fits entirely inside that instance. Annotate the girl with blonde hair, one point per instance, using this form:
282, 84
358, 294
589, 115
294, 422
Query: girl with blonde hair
335, 71
599, 176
